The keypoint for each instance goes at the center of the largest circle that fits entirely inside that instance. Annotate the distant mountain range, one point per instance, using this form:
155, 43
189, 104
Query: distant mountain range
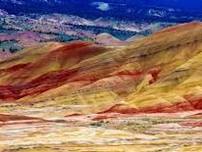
19, 31
138, 10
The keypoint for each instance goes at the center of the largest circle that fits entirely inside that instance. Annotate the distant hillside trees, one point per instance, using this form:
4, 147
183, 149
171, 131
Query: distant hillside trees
120, 34
62, 37
10, 45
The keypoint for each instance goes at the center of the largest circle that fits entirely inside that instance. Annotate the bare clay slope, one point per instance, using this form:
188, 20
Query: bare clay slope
158, 73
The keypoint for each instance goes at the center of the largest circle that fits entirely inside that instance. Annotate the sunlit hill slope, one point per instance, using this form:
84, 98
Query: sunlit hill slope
159, 73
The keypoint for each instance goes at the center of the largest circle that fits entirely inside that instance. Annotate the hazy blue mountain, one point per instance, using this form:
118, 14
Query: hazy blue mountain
138, 10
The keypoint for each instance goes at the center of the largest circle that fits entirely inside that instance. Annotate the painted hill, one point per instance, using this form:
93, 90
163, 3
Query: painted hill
108, 40
159, 73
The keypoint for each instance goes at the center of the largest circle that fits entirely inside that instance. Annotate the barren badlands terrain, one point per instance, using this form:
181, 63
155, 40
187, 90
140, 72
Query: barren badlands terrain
144, 96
